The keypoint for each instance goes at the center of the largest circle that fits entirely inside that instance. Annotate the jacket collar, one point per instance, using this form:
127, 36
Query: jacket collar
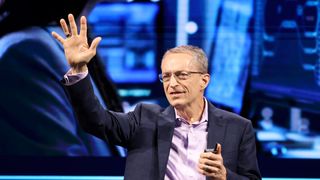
165, 124
216, 126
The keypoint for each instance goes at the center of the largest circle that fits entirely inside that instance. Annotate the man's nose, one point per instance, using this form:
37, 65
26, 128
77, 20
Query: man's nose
173, 82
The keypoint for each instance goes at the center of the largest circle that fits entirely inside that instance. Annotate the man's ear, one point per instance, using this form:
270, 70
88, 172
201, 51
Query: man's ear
205, 81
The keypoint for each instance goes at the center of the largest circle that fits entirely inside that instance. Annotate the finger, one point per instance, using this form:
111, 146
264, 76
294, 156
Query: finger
208, 169
204, 155
83, 27
219, 148
95, 43
201, 171
205, 161
92, 50
73, 25
58, 37
201, 167
209, 163
64, 26
208, 155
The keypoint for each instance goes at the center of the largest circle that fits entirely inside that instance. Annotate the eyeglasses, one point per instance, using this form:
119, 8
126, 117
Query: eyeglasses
178, 75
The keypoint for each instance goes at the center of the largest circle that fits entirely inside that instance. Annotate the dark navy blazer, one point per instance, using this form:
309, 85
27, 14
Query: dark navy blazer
147, 134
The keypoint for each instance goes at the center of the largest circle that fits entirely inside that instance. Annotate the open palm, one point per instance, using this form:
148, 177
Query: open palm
77, 51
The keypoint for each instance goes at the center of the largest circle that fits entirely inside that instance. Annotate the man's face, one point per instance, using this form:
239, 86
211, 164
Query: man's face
181, 87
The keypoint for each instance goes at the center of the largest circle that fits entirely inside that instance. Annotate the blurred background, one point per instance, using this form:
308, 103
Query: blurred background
264, 59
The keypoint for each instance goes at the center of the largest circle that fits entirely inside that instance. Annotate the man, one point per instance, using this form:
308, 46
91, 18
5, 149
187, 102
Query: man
164, 143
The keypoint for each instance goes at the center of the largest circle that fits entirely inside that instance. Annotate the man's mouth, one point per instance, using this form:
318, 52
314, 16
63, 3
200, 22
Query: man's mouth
176, 93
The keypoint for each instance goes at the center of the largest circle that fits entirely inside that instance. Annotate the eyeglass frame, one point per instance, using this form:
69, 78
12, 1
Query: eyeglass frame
177, 74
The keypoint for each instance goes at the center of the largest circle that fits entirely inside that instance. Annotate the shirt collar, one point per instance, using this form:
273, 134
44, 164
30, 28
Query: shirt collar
204, 117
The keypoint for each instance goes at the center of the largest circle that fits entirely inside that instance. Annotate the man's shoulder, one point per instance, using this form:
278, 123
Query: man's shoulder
33, 46
30, 33
25, 40
228, 116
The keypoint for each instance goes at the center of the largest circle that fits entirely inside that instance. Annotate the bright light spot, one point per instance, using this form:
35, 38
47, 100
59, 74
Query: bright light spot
274, 151
191, 27
284, 150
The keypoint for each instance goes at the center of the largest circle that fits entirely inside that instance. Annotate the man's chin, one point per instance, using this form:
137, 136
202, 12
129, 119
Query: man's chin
177, 103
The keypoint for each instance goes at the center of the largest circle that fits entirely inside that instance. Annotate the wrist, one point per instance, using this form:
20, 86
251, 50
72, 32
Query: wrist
79, 69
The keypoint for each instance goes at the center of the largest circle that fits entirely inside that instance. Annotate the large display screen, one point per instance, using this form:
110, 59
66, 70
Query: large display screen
129, 48
285, 80
229, 56
129, 40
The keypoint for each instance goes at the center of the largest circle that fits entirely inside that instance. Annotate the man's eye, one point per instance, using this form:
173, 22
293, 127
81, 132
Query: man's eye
165, 76
182, 75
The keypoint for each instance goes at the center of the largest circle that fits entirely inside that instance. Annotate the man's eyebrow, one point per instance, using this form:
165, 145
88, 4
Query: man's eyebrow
173, 72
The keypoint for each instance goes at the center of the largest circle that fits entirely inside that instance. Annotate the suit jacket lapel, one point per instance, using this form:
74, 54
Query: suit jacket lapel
165, 124
216, 127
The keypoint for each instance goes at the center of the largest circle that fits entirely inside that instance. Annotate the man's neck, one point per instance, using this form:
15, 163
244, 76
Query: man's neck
192, 113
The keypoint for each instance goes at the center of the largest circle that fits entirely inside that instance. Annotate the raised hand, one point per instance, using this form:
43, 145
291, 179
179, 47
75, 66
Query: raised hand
211, 165
76, 47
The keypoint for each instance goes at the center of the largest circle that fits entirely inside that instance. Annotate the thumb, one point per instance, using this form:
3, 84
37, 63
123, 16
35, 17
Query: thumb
95, 43
219, 148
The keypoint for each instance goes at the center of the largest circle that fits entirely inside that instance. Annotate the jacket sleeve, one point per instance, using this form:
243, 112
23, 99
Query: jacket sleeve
116, 128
